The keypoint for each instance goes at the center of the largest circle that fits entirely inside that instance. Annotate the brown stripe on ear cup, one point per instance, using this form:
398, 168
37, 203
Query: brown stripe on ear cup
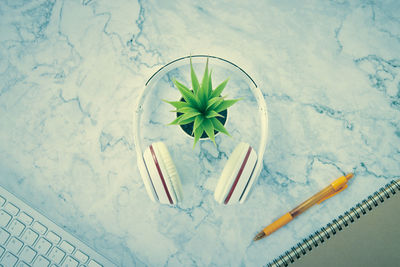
151, 181
238, 176
153, 154
248, 181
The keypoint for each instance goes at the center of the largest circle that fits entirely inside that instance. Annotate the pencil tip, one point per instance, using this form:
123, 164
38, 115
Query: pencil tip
349, 176
259, 236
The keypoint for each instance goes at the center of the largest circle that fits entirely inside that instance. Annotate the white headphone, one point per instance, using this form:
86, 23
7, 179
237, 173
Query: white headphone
159, 173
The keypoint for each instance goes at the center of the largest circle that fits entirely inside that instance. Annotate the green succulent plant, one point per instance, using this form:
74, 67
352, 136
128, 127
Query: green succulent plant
202, 105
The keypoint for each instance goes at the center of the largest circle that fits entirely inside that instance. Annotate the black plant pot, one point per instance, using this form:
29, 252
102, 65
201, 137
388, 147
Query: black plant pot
188, 128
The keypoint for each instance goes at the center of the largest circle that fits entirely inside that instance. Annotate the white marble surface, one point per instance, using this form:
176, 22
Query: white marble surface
70, 72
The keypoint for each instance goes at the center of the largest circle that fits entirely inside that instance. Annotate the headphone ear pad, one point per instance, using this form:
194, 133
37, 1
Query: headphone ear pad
236, 174
164, 177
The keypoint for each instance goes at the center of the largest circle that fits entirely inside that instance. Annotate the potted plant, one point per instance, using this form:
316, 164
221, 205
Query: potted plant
201, 112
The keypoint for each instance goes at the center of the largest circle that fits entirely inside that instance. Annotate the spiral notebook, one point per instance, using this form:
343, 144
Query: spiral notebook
366, 235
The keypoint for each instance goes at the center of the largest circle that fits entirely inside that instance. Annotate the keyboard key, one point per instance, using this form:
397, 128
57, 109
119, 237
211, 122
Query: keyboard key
42, 246
4, 218
56, 255
4, 235
70, 262
11, 208
29, 237
22, 264
2, 201
16, 227
40, 228
53, 237
14, 245
25, 218
27, 254
94, 263
67, 247
9, 259
82, 257
41, 262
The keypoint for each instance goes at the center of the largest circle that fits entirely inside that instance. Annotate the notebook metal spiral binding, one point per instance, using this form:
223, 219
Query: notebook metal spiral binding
337, 225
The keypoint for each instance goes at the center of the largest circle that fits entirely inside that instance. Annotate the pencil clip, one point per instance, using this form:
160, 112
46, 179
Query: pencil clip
337, 192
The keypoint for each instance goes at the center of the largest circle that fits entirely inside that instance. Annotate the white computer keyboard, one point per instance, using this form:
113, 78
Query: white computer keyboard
28, 238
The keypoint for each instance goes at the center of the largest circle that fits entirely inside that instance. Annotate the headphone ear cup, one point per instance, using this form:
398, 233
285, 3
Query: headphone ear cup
236, 174
171, 170
163, 175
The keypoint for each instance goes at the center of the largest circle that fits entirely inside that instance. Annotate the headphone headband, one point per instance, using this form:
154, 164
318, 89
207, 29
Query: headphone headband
262, 107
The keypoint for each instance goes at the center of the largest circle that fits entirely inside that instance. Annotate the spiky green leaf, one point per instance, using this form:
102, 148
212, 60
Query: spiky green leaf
189, 120
205, 82
213, 102
219, 89
177, 104
209, 84
176, 120
187, 94
209, 128
202, 96
212, 114
188, 115
225, 104
219, 126
195, 81
187, 110
197, 134
197, 122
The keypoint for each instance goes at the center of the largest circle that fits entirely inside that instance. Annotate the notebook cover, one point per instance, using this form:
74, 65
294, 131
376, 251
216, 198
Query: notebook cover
372, 240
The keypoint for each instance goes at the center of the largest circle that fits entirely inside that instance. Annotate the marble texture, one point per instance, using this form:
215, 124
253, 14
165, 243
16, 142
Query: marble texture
70, 72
